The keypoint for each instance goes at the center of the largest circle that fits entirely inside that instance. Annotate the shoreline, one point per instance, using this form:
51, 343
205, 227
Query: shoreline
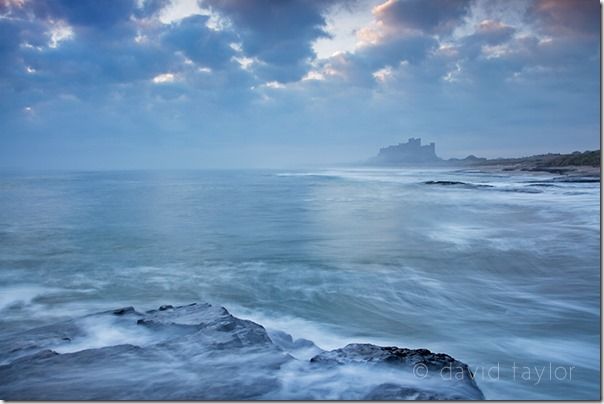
568, 171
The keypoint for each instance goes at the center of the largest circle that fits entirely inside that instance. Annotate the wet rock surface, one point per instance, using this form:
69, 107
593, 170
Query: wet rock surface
199, 352
422, 363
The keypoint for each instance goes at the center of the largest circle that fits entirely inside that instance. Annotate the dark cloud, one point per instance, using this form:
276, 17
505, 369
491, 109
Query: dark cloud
434, 17
567, 17
489, 33
88, 13
150, 8
493, 32
279, 33
199, 43
485, 76
412, 49
98, 59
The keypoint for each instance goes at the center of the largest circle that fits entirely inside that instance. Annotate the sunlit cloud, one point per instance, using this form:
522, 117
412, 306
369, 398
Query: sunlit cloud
343, 23
164, 78
177, 10
384, 74
313, 75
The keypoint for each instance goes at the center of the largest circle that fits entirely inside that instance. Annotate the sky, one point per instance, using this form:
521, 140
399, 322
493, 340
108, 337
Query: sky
126, 84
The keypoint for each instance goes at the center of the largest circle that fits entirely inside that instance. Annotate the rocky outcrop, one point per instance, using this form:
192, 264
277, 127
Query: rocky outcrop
431, 368
202, 352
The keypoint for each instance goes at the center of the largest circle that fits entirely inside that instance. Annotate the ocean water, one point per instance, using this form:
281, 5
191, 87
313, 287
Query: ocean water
502, 272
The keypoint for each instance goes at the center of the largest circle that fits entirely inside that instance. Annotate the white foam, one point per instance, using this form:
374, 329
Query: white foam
103, 332
23, 294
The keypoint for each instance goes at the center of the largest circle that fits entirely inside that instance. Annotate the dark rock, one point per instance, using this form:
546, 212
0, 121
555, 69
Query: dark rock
369, 353
458, 183
194, 352
445, 183
421, 363
573, 179
300, 348
522, 190
124, 310
16, 345
391, 391
201, 352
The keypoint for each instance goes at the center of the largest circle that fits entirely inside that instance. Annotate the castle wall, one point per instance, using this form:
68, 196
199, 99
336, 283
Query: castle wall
411, 152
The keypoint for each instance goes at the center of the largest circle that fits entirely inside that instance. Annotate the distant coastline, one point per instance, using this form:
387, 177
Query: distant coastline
584, 163
414, 153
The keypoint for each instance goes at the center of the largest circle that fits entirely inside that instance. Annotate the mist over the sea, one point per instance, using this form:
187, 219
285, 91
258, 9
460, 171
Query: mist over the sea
497, 276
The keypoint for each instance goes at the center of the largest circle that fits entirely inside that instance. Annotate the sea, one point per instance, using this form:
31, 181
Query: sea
499, 269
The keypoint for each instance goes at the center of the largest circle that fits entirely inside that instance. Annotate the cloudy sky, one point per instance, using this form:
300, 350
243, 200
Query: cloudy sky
264, 83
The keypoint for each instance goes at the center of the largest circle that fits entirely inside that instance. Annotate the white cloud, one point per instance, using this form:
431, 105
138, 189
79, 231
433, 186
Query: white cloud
164, 78
245, 62
59, 33
140, 38
236, 46
447, 49
453, 76
495, 51
383, 74
177, 10
274, 85
313, 75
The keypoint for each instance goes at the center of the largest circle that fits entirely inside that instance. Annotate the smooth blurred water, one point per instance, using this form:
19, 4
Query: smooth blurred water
494, 276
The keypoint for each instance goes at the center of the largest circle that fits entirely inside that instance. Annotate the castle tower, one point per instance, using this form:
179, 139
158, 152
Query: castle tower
415, 142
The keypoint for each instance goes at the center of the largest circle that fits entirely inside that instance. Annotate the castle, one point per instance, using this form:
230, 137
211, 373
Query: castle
412, 152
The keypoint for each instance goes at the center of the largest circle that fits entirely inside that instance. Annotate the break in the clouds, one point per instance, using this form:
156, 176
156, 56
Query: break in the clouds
227, 83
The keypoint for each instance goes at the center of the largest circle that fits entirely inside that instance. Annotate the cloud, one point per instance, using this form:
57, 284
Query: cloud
86, 13
279, 33
567, 17
421, 15
164, 78
231, 71
202, 45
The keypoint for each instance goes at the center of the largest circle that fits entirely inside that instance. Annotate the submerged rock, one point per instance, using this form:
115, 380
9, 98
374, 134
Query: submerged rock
445, 183
457, 183
202, 352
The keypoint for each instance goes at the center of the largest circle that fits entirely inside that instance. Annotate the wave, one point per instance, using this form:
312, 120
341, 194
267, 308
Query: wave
20, 295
